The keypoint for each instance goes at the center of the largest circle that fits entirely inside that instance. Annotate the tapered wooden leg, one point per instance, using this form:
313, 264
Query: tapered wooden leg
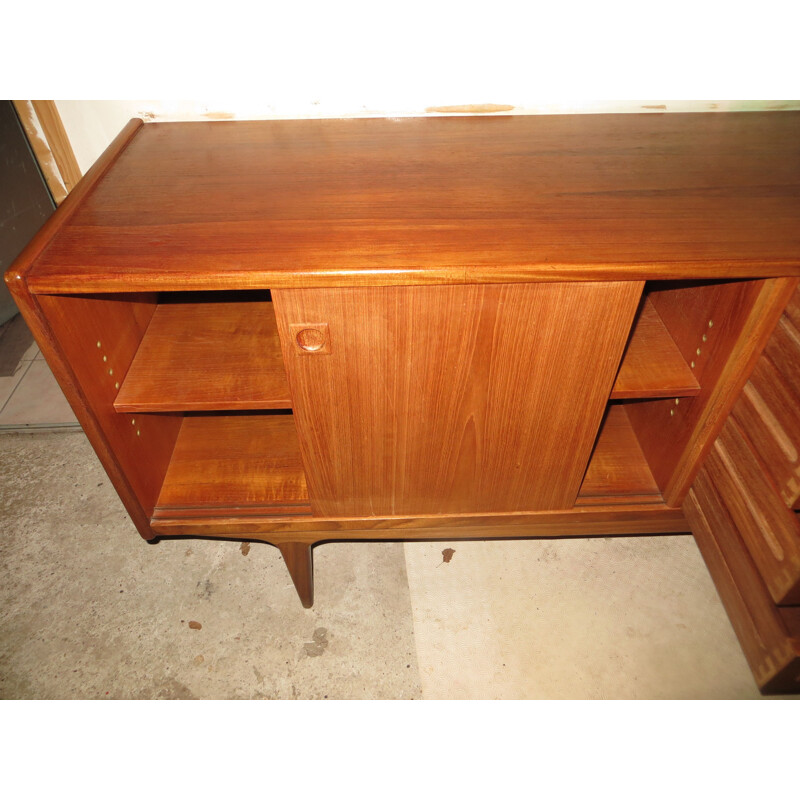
301, 567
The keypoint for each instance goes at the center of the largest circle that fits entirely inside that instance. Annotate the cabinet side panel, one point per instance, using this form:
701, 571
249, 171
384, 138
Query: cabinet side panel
771, 646
769, 407
89, 342
769, 413
769, 530
721, 328
451, 399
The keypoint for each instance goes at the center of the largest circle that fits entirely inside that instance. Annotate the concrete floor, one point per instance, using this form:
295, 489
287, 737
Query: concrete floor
90, 610
615, 617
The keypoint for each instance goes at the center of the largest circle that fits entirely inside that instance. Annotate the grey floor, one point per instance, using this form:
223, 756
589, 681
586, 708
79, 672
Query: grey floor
29, 395
90, 610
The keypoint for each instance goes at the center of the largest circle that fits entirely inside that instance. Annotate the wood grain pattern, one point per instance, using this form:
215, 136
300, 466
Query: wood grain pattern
792, 310
783, 350
597, 520
238, 463
18, 275
770, 530
453, 398
447, 200
769, 639
769, 413
675, 438
652, 365
198, 356
618, 467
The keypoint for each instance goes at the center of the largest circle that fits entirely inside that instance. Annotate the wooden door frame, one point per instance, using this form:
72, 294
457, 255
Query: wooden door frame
51, 146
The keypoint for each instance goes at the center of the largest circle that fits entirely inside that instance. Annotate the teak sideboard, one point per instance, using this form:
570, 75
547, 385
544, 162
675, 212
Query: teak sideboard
419, 328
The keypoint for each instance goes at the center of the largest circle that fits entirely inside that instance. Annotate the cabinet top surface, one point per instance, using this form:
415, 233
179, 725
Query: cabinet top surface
432, 200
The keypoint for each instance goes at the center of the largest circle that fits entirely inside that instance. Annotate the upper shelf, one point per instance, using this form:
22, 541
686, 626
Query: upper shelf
213, 356
652, 365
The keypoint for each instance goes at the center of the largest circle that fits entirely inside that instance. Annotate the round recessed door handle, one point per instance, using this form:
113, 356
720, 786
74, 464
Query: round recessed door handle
310, 339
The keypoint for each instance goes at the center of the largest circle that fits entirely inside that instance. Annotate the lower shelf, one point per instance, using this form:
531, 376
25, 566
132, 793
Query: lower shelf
249, 465
618, 471
238, 464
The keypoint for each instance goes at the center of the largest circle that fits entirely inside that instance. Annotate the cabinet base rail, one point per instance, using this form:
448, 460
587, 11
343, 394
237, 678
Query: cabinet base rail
296, 538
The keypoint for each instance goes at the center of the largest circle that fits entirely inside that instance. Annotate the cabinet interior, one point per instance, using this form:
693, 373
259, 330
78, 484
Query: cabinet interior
215, 351
209, 367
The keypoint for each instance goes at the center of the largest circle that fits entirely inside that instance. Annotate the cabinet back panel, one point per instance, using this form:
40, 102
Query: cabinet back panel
451, 399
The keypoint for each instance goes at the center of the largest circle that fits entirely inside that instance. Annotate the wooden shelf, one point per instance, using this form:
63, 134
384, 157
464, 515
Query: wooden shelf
652, 365
208, 356
237, 464
618, 471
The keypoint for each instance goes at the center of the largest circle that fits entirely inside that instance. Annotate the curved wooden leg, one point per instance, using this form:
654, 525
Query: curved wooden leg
301, 567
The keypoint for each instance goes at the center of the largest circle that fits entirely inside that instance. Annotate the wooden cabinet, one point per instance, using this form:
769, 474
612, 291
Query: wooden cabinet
300, 331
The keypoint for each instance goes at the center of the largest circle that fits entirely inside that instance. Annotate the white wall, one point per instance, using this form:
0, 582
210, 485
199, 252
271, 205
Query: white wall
92, 124
318, 58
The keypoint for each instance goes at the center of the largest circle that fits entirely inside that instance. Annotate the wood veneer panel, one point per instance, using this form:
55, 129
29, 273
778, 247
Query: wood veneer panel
597, 520
792, 310
198, 356
618, 467
769, 414
676, 438
448, 200
451, 399
235, 463
652, 365
770, 530
769, 641
783, 350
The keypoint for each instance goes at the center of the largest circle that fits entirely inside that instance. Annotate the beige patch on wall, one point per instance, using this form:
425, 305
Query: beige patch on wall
480, 108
